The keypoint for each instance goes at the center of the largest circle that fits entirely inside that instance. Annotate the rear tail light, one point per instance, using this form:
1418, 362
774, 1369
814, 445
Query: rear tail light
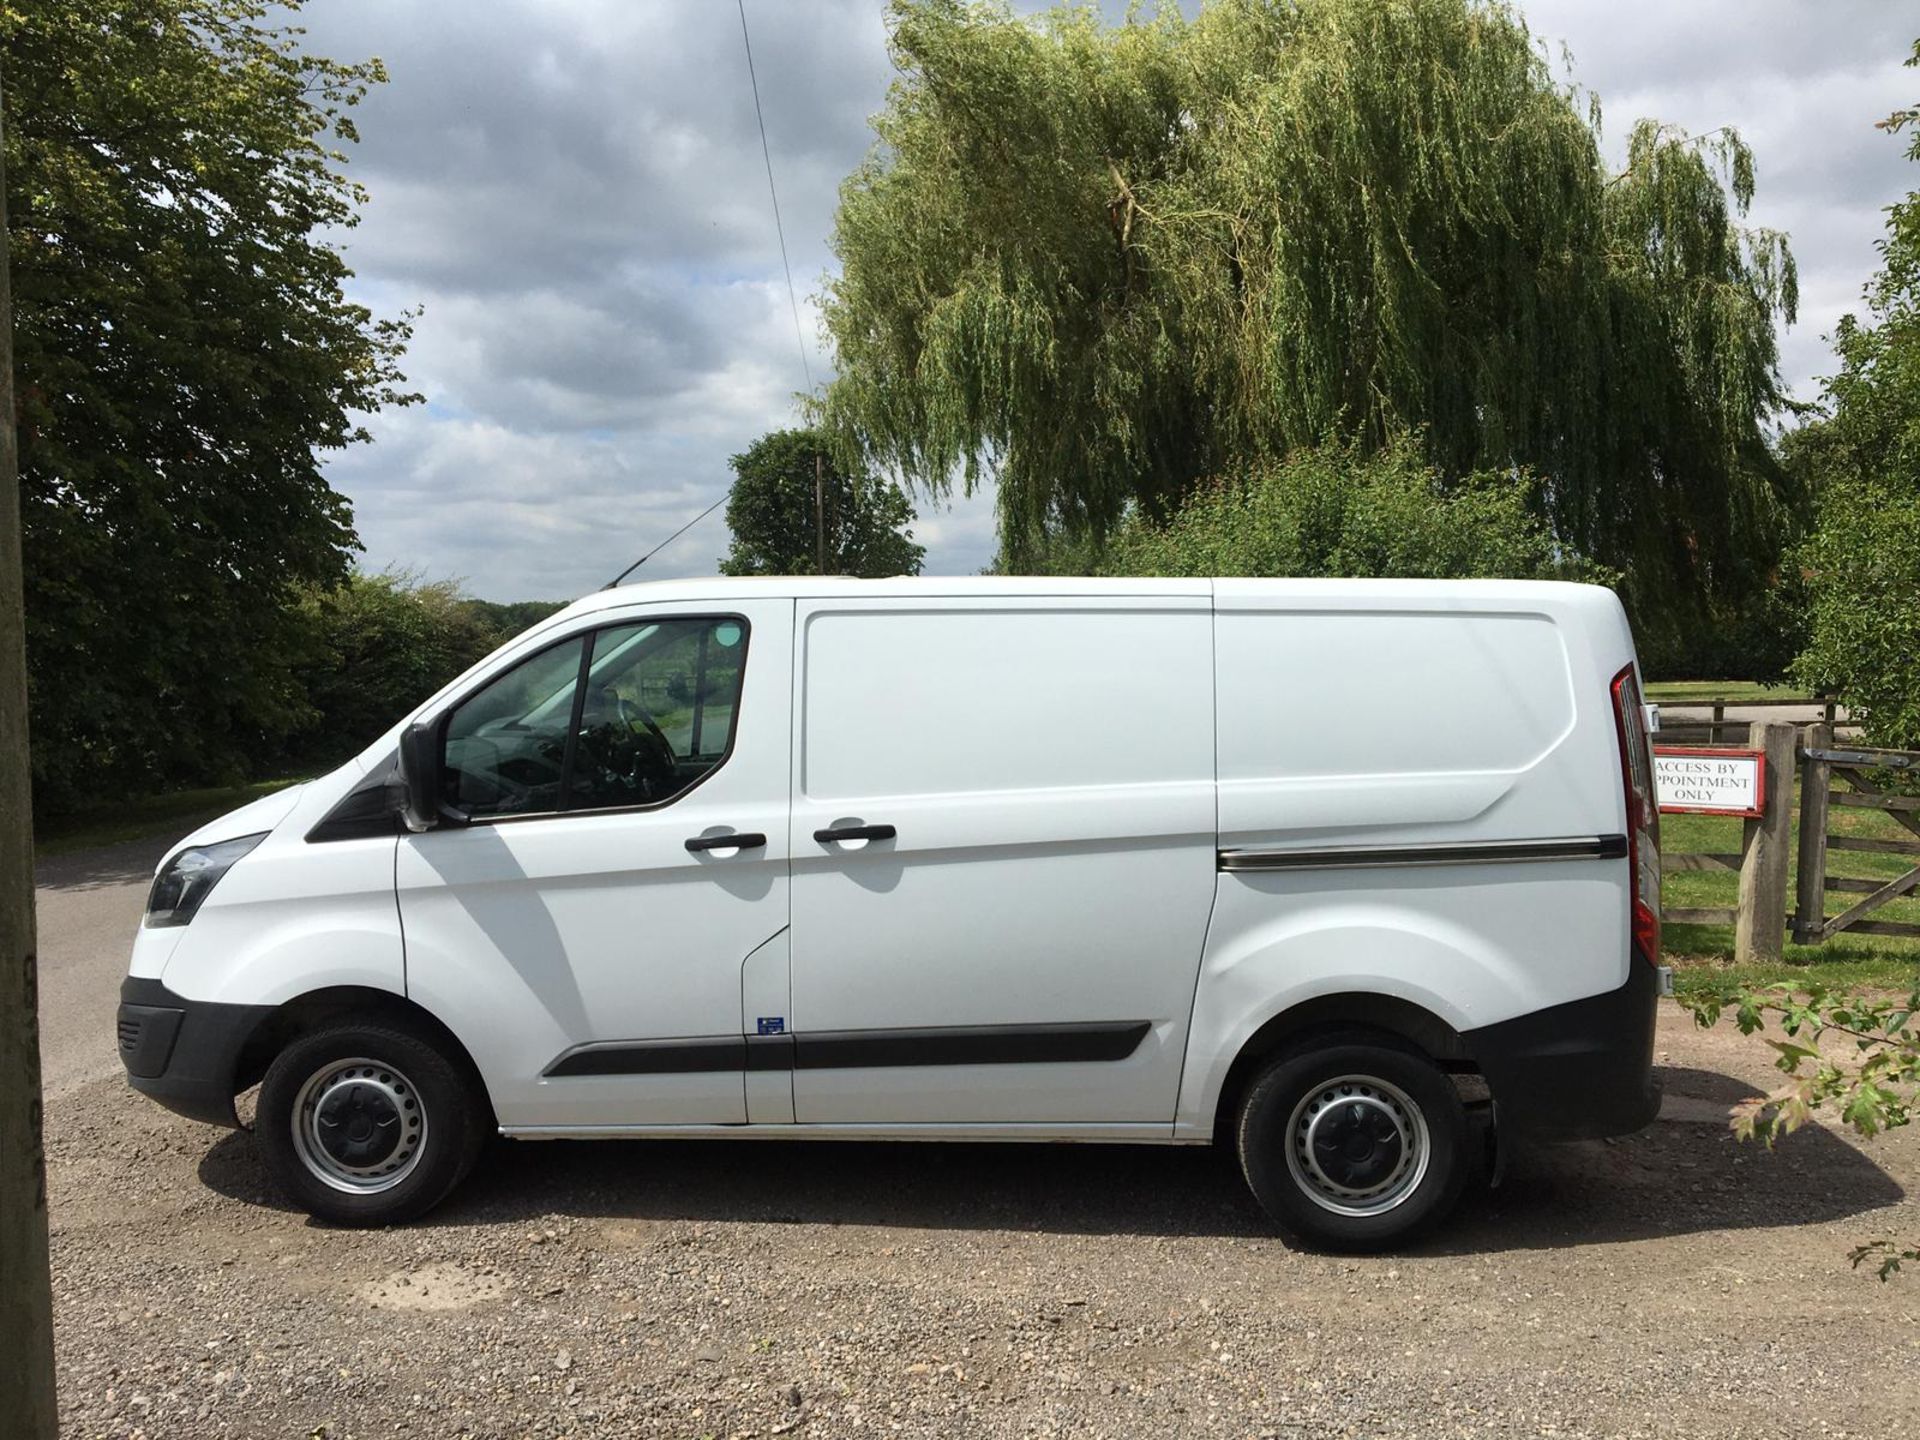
1643, 813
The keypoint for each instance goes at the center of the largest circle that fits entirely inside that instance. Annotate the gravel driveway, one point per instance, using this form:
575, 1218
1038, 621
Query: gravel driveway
1671, 1284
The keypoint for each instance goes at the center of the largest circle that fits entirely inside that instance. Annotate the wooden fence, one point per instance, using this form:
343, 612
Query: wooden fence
1720, 728
1830, 777
1852, 778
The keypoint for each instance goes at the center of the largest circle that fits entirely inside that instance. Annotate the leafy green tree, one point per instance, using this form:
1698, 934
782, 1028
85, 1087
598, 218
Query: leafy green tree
379, 645
772, 514
1103, 263
507, 619
1863, 459
1335, 510
184, 356
1857, 1057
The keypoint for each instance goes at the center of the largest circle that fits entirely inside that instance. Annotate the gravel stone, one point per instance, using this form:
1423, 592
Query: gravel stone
1672, 1284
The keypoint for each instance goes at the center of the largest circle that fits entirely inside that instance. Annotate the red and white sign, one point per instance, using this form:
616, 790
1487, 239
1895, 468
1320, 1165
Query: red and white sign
1710, 782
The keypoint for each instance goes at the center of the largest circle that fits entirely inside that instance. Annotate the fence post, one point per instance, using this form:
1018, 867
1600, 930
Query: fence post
1810, 901
1719, 719
1760, 928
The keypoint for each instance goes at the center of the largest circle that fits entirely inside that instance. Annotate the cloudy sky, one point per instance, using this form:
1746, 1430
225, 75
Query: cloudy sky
573, 193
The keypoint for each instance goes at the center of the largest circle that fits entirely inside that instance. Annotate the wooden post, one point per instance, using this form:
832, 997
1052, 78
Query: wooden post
26, 1298
1719, 719
1759, 929
819, 513
1810, 902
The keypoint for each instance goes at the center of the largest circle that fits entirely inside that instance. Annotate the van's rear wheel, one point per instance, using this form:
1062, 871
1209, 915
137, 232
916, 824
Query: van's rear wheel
1353, 1144
368, 1124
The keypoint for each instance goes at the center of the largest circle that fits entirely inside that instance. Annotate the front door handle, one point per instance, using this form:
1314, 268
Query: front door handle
854, 832
751, 841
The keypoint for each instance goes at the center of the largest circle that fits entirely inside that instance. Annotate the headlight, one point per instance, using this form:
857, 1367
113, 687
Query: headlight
190, 877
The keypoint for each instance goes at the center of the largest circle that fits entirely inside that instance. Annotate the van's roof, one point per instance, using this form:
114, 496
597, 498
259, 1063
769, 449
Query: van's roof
1451, 593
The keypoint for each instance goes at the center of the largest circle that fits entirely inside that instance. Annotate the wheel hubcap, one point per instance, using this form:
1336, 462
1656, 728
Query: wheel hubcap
358, 1125
1357, 1145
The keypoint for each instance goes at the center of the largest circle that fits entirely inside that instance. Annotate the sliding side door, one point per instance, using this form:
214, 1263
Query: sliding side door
1003, 856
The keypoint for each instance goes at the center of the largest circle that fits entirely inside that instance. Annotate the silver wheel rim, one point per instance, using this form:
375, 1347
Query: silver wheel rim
1324, 1147
342, 1131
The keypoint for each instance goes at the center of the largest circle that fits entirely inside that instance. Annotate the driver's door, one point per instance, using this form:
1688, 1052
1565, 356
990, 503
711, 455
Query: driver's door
559, 921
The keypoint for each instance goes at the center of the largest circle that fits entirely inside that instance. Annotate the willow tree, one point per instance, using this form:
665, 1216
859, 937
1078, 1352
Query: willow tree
1099, 263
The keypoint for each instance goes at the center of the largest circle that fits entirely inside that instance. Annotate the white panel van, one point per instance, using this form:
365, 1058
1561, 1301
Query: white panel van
1354, 876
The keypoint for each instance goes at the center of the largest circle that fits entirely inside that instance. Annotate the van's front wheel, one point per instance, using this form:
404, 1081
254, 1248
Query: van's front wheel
367, 1124
1354, 1145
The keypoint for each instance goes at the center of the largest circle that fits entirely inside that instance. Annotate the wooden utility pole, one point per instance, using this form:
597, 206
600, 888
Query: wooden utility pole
26, 1294
819, 513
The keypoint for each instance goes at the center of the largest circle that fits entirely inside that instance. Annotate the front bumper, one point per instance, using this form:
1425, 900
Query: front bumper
1578, 1071
185, 1053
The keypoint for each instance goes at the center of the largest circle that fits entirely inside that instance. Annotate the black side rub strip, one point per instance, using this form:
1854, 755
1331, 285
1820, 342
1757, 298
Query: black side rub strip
1498, 852
863, 1049
969, 1045
655, 1057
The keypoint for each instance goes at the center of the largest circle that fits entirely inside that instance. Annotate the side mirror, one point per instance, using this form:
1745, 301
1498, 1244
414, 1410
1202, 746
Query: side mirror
420, 775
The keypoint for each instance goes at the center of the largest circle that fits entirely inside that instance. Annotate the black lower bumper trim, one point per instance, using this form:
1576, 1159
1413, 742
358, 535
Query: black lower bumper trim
1578, 1071
183, 1053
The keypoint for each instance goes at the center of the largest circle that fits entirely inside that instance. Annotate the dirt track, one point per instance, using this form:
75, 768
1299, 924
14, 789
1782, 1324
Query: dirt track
1672, 1284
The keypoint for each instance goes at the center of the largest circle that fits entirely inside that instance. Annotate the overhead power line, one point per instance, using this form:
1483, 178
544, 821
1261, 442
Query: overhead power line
793, 300
793, 303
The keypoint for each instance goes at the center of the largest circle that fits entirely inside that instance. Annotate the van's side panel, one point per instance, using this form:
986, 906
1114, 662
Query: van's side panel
1359, 732
1047, 764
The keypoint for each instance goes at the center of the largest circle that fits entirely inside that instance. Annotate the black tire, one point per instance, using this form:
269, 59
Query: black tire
411, 1095
1395, 1104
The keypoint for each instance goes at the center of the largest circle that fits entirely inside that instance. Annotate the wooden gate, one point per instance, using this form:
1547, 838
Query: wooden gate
1849, 777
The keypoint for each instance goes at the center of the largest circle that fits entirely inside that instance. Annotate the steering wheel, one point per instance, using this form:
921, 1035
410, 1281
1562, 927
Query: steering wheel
637, 720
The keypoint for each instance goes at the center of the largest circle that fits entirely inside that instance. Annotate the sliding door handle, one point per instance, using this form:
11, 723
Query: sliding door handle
753, 841
854, 832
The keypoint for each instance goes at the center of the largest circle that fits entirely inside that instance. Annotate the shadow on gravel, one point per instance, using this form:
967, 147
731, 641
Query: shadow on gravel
1679, 1176
1684, 1174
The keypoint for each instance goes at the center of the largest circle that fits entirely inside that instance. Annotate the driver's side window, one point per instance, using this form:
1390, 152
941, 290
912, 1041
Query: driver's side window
506, 744
650, 712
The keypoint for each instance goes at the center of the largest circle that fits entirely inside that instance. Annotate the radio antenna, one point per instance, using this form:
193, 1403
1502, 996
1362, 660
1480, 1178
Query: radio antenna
668, 541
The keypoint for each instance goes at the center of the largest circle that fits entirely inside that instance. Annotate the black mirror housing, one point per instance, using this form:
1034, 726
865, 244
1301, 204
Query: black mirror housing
420, 775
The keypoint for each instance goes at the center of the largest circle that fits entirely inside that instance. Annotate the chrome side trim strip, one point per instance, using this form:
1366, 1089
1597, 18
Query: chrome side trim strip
1494, 852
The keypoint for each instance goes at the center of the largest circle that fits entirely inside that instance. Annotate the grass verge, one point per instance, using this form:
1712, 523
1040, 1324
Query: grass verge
178, 811
1697, 692
1837, 965
1702, 955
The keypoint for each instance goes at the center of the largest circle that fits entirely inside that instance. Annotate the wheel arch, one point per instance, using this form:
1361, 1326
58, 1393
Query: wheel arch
1389, 1016
305, 1013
